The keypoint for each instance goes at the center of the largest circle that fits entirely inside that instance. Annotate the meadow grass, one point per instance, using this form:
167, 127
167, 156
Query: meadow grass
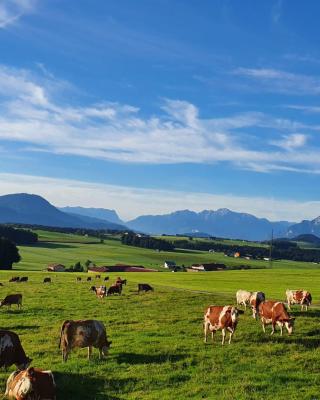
158, 350
67, 249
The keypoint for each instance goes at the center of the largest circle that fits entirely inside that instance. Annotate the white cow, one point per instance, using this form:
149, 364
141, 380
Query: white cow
243, 298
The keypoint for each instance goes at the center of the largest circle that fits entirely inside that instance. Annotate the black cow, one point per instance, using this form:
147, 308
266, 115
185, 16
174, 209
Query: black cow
89, 278
11, 351
144, 287
14, 279
114, 289
47, 280
106, 278
23, 279
78, 279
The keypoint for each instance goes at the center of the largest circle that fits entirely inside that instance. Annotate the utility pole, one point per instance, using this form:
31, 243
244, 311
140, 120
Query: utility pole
270, 250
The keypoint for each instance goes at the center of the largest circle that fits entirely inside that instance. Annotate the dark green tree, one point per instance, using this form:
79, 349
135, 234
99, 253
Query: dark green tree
9, 253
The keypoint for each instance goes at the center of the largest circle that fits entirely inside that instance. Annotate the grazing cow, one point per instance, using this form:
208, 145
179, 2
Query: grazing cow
47, 280
243, 298
12, 299
11, 351
122, 281
14, 279
89, 279
1, 284
98, 276
106, 278
144, 287
78, 279
220, 317
31, 384
23, 279
301, 297
255, 299
114, 289
87, 333
275, 313
99, 291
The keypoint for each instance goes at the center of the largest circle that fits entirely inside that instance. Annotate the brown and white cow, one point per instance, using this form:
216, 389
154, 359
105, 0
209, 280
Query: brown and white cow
86, 333
31, 384
224, 318
99, 291
275, 313
11, 351
12, 299
255, 300
243, 297
301, 297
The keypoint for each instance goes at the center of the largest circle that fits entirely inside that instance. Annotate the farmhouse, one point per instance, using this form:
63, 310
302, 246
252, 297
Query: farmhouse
55, 268
208, 267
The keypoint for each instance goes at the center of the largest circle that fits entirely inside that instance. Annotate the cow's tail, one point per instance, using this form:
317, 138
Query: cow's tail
61, 333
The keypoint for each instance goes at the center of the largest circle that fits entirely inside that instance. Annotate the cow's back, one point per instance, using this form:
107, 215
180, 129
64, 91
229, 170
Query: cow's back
84, 333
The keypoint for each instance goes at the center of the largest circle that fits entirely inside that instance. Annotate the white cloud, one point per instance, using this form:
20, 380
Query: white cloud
12, 10
131, 202
282, 81
30, 115
291, 142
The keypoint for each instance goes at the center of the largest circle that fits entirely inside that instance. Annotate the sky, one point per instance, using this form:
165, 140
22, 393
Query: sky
153, 106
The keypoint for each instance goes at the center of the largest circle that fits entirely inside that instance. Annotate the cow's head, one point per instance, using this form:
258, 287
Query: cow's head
24, 364
106, 348
289, 325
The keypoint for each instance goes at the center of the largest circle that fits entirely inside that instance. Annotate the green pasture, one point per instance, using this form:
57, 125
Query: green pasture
67, 249
158, 350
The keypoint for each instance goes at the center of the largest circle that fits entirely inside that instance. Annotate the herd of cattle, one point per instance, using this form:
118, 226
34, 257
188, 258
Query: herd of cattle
29, 383
225, 318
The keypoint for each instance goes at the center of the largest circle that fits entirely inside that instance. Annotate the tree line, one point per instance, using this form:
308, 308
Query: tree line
148, 242
18, 236
281, 249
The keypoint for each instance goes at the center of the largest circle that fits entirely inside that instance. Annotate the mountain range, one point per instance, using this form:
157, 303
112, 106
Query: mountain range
33, 209
221, 223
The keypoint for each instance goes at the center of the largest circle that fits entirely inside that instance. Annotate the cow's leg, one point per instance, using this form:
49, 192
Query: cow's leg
281, 329
65, 354
273, 328
206, 328
289, 305
231, 334
263, 327
223, 331
89, 352
212, 335
245, 306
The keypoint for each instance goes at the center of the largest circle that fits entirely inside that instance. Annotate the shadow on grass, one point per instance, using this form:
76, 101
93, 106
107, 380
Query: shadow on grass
309, 341
84, 387
133, 358
53, 245
18, 327
306, 314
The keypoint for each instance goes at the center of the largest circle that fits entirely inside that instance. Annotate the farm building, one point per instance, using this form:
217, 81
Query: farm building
208, 267
55, 268
169, 264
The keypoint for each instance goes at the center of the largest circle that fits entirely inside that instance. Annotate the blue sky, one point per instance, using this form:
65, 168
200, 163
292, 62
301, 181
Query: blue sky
157, 105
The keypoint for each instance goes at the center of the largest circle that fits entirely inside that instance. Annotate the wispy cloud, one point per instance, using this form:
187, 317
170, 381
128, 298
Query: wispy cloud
31, 116
291, 142
12, 10
281, 81
131, 202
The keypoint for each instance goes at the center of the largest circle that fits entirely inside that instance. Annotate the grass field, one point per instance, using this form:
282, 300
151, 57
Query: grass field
158, 350
67, 249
